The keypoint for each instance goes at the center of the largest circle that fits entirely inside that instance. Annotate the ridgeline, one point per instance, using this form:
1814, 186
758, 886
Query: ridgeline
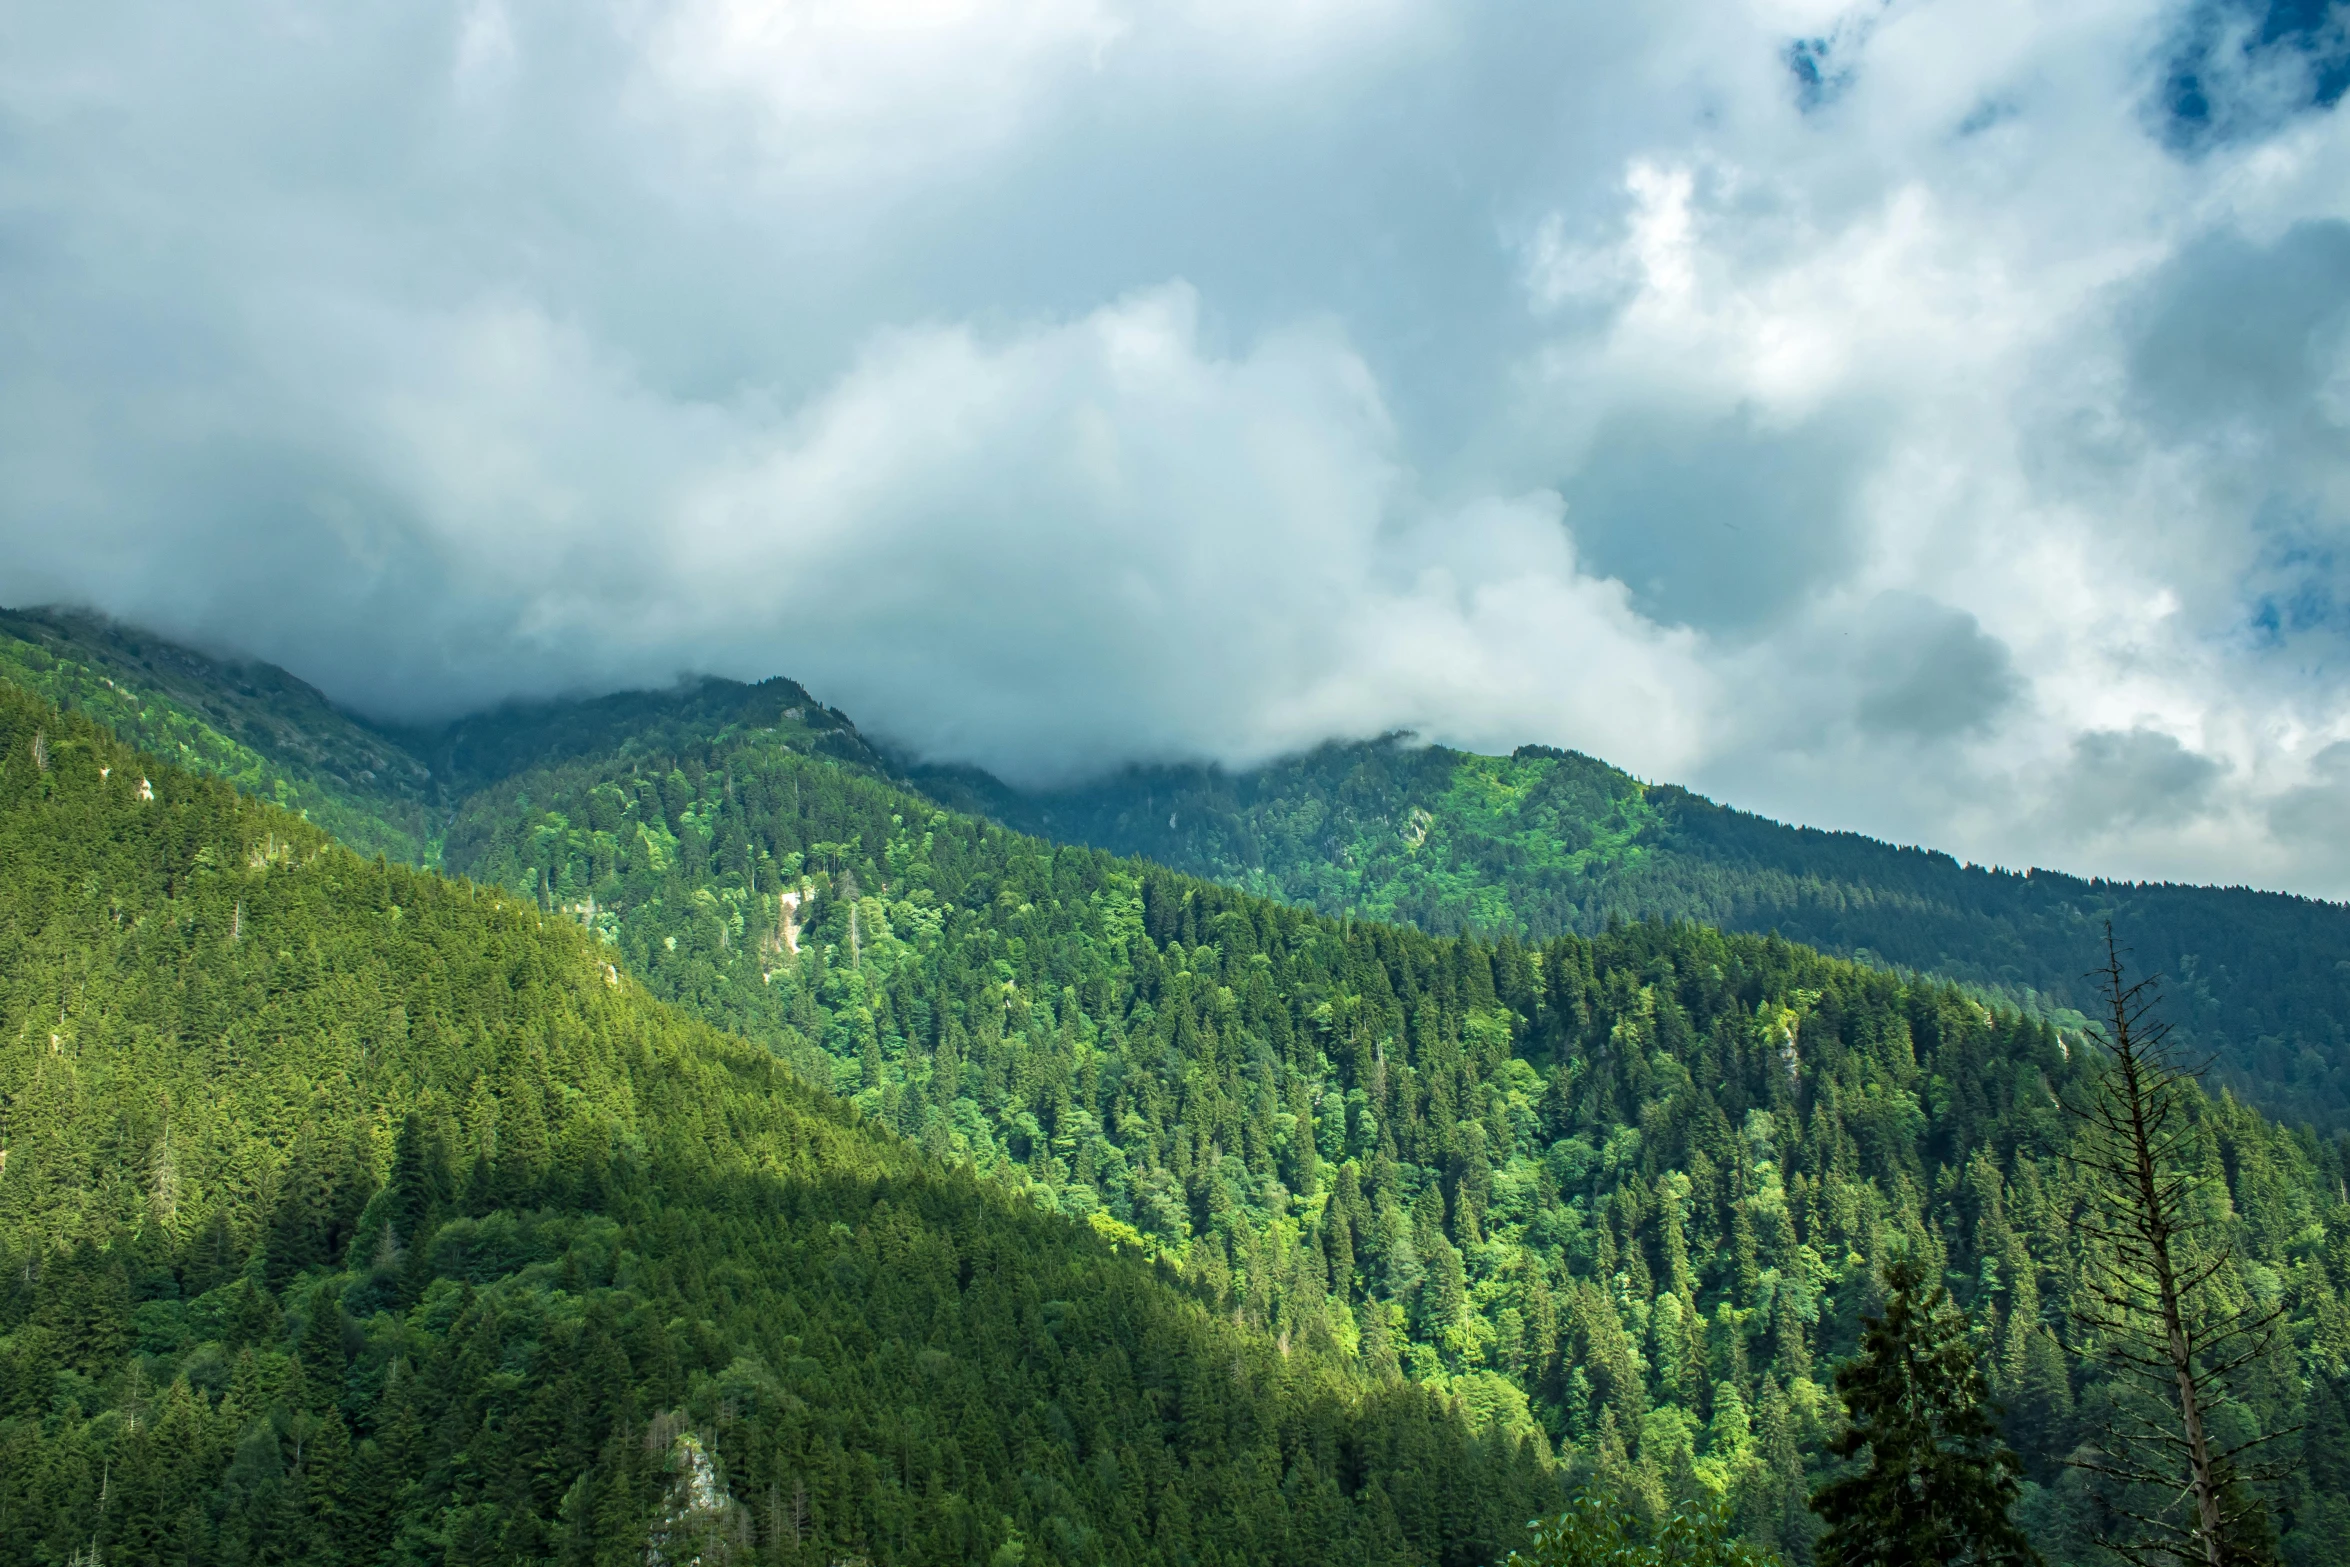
1516, 1214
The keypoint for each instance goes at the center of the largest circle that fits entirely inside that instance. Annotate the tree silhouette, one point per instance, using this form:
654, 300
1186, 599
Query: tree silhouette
2160, 1304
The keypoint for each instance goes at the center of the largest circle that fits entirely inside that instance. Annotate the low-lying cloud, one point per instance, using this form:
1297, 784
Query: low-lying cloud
1929, 419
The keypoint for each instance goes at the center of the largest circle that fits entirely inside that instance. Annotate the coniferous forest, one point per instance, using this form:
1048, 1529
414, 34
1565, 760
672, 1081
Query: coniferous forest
746, 1157
1547, 842
354, 1215
1538, 844
1631, 1195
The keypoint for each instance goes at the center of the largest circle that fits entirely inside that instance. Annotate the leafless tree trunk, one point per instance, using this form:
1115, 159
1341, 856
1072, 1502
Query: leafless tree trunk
2150, 1306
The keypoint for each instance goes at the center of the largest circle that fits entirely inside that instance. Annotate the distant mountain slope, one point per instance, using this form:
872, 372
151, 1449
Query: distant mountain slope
474, 752
1545, 842
1539, 843
247, 722
350, 1215
378, 788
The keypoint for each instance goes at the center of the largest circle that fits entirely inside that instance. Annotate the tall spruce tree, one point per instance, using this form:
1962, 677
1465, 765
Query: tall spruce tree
1938, 1481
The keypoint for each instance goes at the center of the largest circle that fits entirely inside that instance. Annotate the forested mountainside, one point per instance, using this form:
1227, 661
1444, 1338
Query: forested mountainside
1628, 1194
379, 789
352, 1215
1547, 842
472, 753
248, 722
1537, 844
1625, 1195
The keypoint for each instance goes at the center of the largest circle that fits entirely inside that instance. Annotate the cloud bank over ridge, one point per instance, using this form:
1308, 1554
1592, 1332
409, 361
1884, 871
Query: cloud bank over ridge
1926, 418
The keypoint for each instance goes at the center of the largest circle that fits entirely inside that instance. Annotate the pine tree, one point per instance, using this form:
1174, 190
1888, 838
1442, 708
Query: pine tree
1938, 1481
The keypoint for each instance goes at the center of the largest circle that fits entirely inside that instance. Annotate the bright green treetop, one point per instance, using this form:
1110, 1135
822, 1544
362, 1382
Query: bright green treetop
1602, 1531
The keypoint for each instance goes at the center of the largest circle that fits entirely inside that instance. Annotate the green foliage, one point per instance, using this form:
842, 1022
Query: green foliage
1938, 1482
1537, 844
473, 753
1617, 1196
1627, 1195
1600, 1531
1545, 841
349, 1214
249, 723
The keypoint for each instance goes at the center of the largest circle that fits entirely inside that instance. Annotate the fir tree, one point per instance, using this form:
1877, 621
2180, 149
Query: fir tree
1938, 1482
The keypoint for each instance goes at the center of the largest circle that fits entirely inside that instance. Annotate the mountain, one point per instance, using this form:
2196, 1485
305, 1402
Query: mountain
1539, 843
1546, 842
1626, 1195
472, 753
381, 789
349, 1214
1620, 1197
248, 722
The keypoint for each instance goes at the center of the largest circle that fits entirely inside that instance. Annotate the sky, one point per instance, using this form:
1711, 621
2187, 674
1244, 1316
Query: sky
1930, 418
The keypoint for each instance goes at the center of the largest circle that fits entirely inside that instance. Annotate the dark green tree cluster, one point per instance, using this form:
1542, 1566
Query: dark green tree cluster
1596, 1530
1939, 1484
352, 1215
1630, 1195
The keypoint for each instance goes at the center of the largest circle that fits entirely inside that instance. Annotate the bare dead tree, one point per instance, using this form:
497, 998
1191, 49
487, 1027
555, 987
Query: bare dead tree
2155, 1304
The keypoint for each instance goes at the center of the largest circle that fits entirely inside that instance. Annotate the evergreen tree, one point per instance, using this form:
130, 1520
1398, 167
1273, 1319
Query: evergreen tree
1938, 1482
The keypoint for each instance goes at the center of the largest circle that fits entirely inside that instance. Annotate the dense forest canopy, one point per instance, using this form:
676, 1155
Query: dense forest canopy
1547, 842
1629, 1194
349, 1214
1537, 844
251, 723
1600, 1208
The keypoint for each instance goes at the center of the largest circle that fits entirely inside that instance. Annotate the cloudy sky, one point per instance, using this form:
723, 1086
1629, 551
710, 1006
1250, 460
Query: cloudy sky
1929, 417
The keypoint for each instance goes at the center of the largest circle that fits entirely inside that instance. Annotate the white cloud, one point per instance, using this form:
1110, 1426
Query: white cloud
1894, 417
869, 92
1041, 550
1939, 282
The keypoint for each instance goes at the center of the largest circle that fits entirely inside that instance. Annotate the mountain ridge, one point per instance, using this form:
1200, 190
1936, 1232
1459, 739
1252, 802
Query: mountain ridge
1547, 842
1542, 842
1623, 1196
1538, 1178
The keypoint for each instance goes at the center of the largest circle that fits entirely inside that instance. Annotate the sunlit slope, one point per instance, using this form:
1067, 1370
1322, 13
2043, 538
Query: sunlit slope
1628, 1191
1546, 842
244, 721
378, 788
349, 1214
